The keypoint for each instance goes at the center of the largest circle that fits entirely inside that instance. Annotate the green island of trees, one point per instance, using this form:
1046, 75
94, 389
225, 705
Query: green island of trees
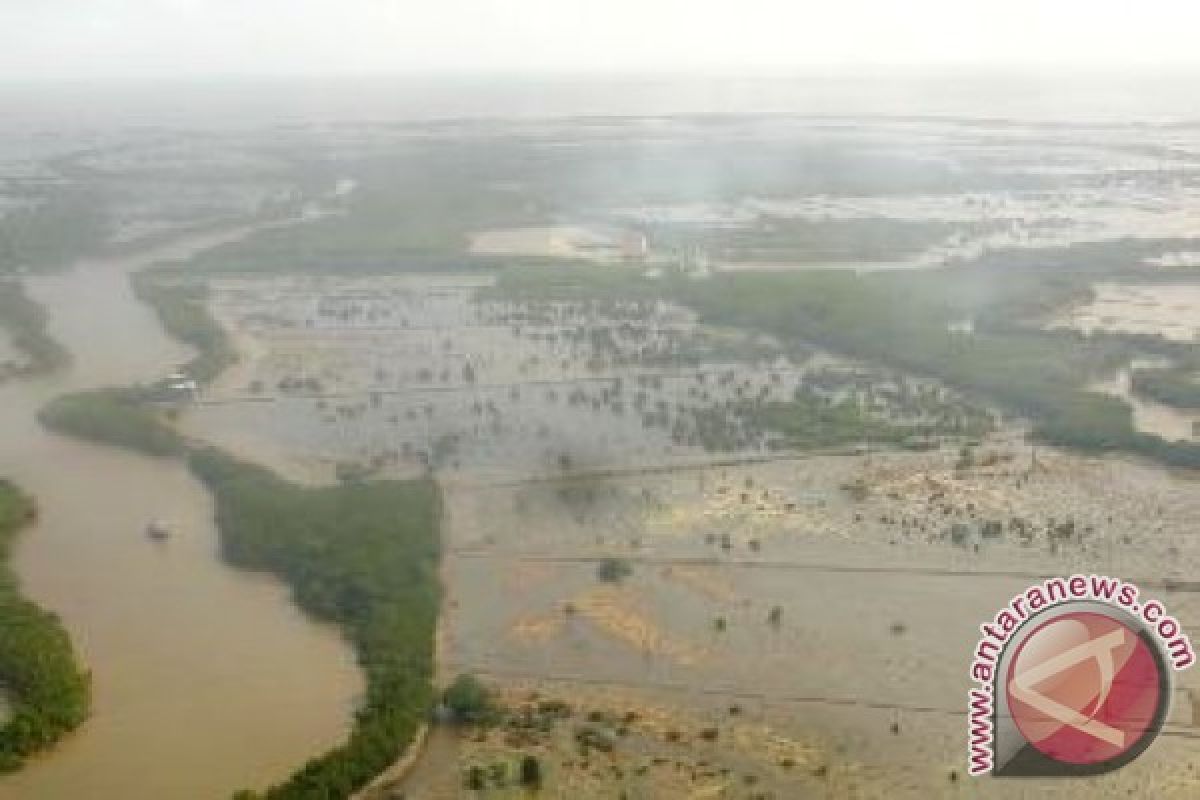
361, 555
25, 323
117, 416
47, 692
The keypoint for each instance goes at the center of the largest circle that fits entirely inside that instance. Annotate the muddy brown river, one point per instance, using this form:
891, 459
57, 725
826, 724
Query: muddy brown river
205, 679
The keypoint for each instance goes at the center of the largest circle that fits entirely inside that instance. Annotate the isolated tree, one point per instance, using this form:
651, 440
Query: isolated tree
466, 697
531, 772
775, 617
613, 570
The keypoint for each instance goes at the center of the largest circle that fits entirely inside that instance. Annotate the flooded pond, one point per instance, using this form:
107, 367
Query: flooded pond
205, 679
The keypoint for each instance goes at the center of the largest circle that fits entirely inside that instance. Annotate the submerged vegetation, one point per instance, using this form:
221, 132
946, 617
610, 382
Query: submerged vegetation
905, 321
25, 323
364, 556
45, 688
908, 321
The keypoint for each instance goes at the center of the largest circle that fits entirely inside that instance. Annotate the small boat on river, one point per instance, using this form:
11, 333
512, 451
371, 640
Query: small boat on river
158, 530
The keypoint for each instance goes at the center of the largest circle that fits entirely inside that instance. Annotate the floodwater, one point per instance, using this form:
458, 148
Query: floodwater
1149, 416
205, 679
1170, 310
878, 621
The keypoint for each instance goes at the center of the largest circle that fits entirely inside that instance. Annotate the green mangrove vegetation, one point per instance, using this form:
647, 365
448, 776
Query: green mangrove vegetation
361, 555
909, 320
24, 321
46, 691
127, 417
182, 309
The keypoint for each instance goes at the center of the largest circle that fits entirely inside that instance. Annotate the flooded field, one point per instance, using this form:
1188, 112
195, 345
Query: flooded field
562, 241
196, 689
727, 604
402, 375
690, 560
608, 554
1170, 310
1172, 424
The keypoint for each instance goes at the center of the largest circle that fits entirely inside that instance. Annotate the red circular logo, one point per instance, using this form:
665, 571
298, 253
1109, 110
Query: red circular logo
1085, 688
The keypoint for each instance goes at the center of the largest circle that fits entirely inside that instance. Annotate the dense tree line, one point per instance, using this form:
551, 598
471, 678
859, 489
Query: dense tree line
364, 556
902, 321
47, 693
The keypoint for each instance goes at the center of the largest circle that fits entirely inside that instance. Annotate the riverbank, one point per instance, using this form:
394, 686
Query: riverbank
362, 556
24, 321
194, 682
48, 694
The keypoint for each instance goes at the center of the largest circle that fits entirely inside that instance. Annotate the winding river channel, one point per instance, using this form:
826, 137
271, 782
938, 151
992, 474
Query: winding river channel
205, 679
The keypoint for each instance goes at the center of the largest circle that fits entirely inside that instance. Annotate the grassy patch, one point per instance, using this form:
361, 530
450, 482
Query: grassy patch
48, 692
808, 422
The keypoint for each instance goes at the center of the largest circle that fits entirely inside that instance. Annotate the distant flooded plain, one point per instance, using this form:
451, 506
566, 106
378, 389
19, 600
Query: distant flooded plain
205, 679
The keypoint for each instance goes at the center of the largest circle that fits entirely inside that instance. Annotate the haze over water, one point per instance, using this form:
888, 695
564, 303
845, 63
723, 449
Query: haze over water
1166, 97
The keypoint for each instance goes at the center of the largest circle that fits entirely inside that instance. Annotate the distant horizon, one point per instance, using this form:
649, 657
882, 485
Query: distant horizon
901, 71
1158, 96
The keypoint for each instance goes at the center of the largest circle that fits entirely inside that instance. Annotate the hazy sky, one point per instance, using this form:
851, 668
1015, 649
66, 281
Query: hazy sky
168, 38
